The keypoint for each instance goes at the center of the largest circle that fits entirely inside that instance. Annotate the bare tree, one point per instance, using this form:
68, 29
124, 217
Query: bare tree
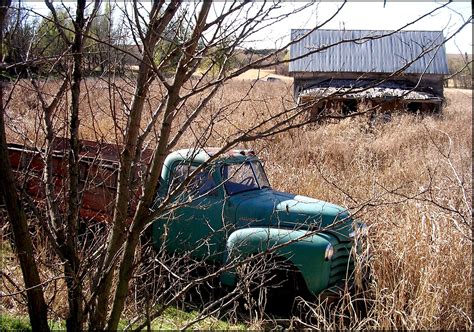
180, 71
37, 308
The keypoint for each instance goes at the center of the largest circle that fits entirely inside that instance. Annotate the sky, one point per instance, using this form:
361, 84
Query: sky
374, 15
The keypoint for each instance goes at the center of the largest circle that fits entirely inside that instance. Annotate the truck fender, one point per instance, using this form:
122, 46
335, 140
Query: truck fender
249, 241
306, 254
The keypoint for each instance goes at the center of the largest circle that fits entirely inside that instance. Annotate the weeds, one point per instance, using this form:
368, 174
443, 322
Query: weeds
409, 179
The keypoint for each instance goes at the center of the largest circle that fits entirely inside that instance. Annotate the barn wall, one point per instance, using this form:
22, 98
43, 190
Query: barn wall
429, 82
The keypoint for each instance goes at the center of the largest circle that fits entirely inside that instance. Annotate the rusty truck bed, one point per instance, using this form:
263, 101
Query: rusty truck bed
98, 171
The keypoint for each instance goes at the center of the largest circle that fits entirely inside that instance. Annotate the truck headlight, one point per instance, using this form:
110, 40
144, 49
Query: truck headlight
329, 252
360, 229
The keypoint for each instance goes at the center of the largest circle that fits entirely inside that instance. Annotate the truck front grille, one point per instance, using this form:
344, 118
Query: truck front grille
342, 263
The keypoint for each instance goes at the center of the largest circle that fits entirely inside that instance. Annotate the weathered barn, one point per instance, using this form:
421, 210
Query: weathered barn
384, 69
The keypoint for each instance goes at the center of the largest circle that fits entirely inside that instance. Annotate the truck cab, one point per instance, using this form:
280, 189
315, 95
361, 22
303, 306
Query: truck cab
225, 209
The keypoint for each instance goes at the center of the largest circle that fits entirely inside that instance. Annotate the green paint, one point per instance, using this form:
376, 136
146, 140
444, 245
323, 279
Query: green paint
230, 212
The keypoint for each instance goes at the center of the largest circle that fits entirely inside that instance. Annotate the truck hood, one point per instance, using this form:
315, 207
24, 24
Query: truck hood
267, 207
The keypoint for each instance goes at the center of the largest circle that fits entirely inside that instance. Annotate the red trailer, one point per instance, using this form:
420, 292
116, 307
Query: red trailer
98, 174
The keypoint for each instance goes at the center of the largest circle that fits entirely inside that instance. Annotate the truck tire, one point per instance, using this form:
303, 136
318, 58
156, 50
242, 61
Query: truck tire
273, 291
284, 290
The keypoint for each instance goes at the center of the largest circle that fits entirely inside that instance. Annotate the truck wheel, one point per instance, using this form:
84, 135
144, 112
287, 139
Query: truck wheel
273, 290
283, 291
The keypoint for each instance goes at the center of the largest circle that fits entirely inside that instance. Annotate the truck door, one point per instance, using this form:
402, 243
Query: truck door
196, 226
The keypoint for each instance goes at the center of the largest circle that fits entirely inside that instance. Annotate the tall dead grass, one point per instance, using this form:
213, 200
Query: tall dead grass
409, 179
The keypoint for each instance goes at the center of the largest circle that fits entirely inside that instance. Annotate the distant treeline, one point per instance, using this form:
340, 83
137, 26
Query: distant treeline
460, 71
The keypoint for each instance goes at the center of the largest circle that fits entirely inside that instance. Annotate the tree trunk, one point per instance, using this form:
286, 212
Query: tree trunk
72, 267
120, 227
127, 260
37, 309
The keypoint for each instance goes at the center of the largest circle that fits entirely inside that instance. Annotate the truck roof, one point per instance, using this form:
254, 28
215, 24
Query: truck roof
202, 155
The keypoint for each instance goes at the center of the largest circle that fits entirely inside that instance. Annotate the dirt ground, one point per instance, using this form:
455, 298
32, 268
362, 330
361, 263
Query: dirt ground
263, 74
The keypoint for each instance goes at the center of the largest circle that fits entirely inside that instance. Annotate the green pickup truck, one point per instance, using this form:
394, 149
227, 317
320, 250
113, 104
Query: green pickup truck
228, 211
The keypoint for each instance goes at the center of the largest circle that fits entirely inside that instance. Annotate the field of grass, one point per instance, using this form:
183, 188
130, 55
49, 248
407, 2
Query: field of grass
171, 319
409, 179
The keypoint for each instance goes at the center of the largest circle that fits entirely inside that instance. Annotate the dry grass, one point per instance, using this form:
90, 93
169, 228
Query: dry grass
421, 253
409, 179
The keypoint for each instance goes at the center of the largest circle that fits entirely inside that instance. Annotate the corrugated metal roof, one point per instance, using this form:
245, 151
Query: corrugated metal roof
357, 51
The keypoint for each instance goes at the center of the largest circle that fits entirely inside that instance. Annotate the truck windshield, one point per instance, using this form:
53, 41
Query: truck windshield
243, 177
